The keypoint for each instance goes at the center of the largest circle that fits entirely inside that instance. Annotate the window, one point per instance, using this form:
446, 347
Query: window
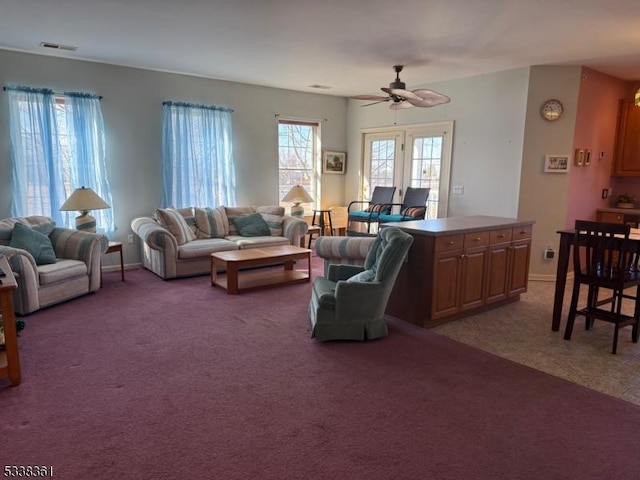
298, 154
57, 145
197, 156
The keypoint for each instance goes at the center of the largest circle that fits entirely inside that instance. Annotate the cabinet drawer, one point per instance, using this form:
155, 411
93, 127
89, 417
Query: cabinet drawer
610, 217
476, 239
448, 243
500, 236
522, 233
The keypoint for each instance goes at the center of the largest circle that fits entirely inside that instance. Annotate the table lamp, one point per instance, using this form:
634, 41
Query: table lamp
84, 199
297, 195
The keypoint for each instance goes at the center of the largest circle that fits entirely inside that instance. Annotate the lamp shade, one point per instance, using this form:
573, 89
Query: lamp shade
636, 99
297, 195
84, 199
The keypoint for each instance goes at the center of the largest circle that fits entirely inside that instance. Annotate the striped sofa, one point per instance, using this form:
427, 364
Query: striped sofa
179, 242
74, 271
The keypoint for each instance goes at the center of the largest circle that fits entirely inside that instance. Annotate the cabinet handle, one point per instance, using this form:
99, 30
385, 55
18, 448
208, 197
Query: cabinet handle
451, 243
502, 235
477, 239
522, 232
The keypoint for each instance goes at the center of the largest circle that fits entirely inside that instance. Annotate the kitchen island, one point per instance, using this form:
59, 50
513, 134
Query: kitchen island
459, 266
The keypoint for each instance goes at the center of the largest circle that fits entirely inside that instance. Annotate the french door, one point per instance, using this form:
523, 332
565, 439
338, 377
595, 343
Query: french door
413, 156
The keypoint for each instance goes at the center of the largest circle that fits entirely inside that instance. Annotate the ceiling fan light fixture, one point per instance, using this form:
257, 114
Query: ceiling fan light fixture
400, 97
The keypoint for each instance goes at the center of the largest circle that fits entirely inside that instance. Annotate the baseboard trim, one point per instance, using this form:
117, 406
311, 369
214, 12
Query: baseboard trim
547, 278
116, 268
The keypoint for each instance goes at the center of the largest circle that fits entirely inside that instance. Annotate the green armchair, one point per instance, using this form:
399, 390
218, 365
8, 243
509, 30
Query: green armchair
349, 304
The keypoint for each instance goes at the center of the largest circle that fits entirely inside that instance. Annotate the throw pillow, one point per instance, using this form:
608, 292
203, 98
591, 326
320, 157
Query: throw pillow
274, 216
252, 225
233, 212
416, 212
173, 220
363, 276
212, 222
34, 242
377, 208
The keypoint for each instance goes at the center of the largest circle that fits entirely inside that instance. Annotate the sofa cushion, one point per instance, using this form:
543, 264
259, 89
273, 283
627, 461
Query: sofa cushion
34, 242
62, 270
172, 220
274, 216
211, 222
233, 212
258, 242
252, 225
203, 247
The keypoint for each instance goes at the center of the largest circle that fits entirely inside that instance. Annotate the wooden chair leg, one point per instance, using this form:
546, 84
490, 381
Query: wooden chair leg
615, 339
572, 311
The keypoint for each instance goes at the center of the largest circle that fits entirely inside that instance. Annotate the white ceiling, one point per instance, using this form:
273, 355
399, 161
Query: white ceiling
350, 45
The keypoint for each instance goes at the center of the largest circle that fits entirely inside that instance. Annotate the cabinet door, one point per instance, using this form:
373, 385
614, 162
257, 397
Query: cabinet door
497, 276
627, 153
446, 274
519, 270
472, 279
610, 217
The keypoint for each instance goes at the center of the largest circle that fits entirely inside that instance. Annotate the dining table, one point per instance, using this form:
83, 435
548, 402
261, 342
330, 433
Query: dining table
564, 254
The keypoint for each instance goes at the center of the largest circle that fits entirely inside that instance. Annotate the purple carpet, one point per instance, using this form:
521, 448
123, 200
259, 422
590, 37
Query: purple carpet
150, 379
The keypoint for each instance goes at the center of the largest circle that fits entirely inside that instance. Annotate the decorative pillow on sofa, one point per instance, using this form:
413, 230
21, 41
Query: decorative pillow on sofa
34, 242
38, 222
233, 212
252, 225
274, 216
211, 222
172, 220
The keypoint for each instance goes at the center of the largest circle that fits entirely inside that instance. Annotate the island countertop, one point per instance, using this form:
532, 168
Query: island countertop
450, 225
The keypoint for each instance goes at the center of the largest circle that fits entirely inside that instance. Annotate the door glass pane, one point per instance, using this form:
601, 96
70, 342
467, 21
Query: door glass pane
426, 163
382, 163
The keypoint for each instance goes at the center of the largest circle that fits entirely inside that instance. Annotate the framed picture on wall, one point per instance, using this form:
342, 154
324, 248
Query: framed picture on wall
556, 163
334, 162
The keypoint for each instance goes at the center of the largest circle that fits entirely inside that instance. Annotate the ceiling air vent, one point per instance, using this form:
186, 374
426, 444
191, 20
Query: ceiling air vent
56, 46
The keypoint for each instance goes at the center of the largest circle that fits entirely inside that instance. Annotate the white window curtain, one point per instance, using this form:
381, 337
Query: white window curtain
197, 156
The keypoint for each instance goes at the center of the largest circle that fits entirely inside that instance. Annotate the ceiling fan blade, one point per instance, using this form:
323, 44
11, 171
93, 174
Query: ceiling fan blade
369, 97
374, 103
406, 94
428, 98
400, 105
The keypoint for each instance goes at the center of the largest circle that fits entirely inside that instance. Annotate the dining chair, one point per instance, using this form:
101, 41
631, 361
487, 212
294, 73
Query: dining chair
604, 258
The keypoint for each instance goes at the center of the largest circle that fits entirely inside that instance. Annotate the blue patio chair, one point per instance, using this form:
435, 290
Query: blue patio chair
413, 206
380, 203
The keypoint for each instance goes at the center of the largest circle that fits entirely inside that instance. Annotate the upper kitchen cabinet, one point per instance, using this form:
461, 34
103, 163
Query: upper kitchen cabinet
627, 153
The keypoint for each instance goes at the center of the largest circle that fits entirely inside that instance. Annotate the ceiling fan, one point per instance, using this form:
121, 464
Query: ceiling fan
400, 97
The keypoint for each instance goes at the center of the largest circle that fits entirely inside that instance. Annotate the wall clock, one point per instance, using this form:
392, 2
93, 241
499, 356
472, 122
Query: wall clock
551, 110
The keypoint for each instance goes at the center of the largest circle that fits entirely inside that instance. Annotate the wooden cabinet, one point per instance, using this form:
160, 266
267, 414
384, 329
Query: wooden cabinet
453, 275
610, 217
627, 151
9, 359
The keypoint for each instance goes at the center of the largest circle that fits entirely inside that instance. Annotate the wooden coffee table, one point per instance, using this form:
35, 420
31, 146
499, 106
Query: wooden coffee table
235, 260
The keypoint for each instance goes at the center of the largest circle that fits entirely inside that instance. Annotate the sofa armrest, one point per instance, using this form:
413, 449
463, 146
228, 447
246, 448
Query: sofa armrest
26, 272
294, 229
154, 235
85, 247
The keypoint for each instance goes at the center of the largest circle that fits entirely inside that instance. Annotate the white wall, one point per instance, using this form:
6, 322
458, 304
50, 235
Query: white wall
489, 117
132, 109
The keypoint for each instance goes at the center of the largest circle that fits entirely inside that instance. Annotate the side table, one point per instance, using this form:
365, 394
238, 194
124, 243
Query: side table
113, 248
324, 222
9, 358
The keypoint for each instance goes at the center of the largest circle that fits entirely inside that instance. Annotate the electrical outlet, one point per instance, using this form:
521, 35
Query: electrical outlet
130, 238
549, 253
